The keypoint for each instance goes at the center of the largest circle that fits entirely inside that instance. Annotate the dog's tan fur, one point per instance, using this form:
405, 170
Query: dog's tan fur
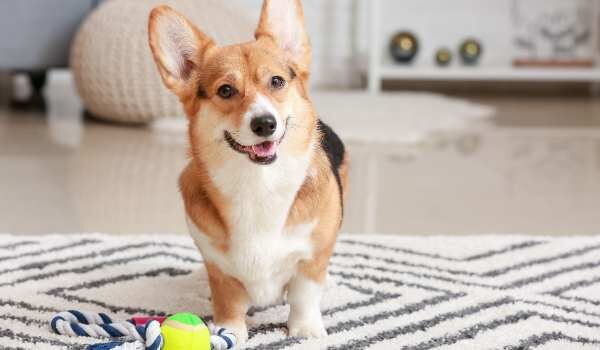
246, 67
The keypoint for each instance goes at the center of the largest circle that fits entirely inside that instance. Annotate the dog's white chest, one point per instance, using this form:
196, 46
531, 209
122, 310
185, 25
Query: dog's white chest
263, 261
267, 261
263, 254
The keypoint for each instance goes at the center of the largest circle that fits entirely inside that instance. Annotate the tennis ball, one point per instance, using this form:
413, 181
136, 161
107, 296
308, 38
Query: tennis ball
185, 331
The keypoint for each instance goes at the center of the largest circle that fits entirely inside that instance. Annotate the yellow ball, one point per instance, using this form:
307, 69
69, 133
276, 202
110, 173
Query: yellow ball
185, 332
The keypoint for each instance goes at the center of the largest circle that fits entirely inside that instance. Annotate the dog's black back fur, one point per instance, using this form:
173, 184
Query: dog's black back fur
335, 150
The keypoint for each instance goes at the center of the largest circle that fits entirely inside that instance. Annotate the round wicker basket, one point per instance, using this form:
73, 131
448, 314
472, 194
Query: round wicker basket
112, 63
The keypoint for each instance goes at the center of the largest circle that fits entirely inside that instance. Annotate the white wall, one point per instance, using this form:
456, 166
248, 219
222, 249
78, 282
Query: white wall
329, 24
436, 22
446, 23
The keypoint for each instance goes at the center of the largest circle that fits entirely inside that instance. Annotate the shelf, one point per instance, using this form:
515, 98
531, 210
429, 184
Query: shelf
490, 74
378, 66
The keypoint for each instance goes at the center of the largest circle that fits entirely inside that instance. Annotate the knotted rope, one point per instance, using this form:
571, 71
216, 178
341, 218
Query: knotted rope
128, 335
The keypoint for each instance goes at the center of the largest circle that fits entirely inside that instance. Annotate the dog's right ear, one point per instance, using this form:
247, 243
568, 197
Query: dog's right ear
177, 46
283, 22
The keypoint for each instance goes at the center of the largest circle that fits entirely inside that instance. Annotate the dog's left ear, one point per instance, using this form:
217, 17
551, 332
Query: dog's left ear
283, 22
177, 46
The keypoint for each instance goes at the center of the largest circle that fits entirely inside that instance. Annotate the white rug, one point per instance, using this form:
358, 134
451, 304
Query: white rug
385, 292
396, 118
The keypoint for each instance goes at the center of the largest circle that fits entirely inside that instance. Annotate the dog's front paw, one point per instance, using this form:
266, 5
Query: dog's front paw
307, 328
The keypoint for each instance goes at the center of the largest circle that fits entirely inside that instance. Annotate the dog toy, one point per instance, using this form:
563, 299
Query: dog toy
183, 331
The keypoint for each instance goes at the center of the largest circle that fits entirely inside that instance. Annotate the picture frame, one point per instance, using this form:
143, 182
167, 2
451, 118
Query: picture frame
555, 33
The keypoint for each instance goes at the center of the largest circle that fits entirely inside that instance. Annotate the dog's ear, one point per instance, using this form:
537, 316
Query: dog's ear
283, 22
177, 46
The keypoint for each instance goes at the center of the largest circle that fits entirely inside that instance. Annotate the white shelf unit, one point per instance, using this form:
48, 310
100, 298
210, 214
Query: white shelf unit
379, 67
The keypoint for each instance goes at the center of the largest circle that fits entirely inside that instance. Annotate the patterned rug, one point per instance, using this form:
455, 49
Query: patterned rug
384, 292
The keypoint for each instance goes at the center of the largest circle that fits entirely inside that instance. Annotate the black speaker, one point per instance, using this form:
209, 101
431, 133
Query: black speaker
443, 57
470, 52
404, 47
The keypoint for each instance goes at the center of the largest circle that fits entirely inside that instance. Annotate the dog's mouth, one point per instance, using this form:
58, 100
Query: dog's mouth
263, 153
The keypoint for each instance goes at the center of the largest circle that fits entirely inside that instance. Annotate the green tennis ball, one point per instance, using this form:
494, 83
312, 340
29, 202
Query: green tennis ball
185, 331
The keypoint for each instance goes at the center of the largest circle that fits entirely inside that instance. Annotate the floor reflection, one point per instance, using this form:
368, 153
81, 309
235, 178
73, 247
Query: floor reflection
535, 181
60, 174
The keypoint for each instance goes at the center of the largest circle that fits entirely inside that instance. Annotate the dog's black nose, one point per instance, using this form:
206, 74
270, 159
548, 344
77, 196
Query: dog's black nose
264, 125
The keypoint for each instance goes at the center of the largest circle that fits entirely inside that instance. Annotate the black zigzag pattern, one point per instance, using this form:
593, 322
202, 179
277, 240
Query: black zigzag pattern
383, 291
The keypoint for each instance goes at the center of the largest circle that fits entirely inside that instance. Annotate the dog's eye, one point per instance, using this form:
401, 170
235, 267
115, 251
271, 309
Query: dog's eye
226, 91
277, 82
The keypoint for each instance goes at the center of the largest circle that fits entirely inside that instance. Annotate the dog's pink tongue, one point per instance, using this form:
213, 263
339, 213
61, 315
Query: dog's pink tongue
265, 149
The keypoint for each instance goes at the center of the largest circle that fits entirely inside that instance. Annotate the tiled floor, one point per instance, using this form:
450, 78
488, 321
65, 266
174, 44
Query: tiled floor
534, 169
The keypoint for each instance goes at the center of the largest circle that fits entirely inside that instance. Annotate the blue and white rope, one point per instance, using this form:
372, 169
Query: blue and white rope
130, 337
221, 338
95, 325
117, 346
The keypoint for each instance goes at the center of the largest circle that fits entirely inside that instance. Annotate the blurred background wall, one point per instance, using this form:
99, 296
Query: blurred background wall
340, 31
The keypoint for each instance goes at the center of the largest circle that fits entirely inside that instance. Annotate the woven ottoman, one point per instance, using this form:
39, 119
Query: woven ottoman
115, 75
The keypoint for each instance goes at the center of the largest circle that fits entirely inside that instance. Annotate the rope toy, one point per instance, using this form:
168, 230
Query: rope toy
182, 331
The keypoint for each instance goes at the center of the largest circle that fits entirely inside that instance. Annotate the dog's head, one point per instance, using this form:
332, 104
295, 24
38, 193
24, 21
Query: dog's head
246, 100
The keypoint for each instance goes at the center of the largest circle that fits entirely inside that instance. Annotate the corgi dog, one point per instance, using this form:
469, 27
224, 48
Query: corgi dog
266, 181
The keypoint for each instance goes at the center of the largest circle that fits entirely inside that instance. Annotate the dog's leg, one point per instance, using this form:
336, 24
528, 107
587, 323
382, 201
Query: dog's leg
230, 302
304, 296
305, 291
